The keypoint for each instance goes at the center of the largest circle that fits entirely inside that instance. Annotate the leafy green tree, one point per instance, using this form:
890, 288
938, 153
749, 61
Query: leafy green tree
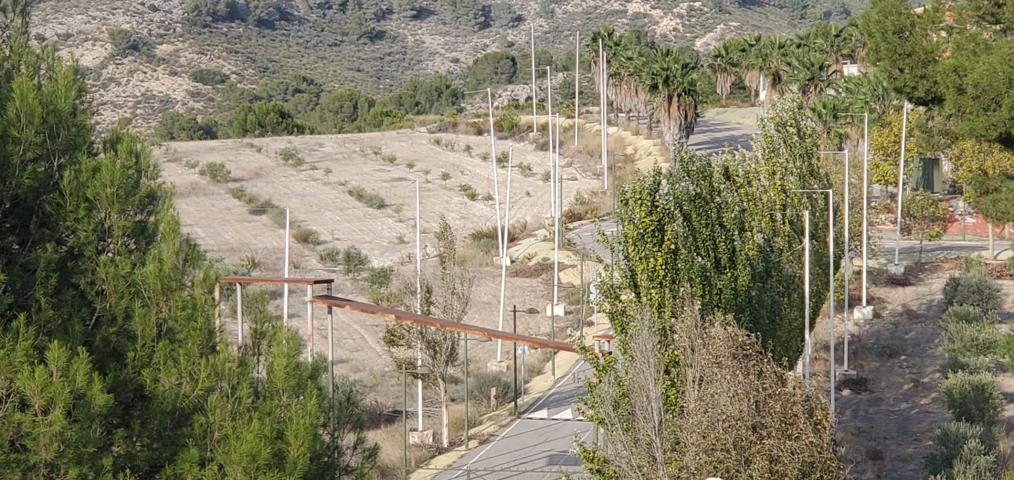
113, 364
341, 110
209, 76
173, 125
885, 148
263, 119
523, 74
492, 69
437, 95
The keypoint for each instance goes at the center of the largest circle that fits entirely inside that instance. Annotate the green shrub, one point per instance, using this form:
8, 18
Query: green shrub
126, 42
366, 197
468, 191
973, 288
263, 119
208, 76
176, 126
976, 462
290, 156
525, 168
444, 175
379, 278
950, 439
481, 383
330, 256
969, 345
973, 397
965, 314
546, 176
306, 236
508, 121
354, 261
501, 159
191, 164
389, 158
216, 172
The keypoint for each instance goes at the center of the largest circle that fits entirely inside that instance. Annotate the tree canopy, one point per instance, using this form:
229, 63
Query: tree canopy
113, 365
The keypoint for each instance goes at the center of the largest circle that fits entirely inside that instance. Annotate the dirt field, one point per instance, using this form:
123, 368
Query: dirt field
887, 428
316, 193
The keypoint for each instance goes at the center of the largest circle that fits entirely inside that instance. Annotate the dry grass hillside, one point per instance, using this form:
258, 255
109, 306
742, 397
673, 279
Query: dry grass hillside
316, 41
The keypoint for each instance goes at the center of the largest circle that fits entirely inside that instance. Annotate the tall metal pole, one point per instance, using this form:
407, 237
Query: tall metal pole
830, 293
514, 393
330, 338
309, 323
807, 343
846, 267
604, 119
496, 199
404, 421
556, 243
467, 398
418, 306
285, 273
535, 113
239, 314
577, 83
866, 198
504, 257
549, 126
901, 178
496, 182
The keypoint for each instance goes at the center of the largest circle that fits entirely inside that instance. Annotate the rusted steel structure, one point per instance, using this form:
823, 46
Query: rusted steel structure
416, 319
240, 281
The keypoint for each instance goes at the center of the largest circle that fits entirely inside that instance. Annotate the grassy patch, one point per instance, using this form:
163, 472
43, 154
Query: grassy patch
366, 197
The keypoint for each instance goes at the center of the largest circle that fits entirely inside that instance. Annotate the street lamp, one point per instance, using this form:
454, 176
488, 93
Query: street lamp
467, 398
514, 311
404, 412
830, 288
866, 313
846, 261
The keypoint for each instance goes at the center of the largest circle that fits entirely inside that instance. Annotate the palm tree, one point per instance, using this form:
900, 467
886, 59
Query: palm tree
808, 72
751, 62
608, 37
670, 81
826, 113
774, 53
723, 62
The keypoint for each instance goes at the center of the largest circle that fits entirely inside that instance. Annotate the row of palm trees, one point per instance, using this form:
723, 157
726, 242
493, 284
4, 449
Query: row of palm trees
664, 84
770, 65
648, 80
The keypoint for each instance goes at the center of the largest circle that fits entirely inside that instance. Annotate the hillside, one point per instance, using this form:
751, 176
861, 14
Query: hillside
376, 46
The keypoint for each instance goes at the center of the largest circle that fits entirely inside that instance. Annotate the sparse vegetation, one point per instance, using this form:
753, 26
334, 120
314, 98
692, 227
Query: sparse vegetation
445, 175
389, 158
306, 236
468, 191
216, 172
290, 155
209, 76
366, 197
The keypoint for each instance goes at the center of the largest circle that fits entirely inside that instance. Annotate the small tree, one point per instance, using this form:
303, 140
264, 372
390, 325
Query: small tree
448, 300
925, 217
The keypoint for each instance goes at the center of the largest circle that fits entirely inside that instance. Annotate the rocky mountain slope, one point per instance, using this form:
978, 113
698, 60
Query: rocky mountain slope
369, 44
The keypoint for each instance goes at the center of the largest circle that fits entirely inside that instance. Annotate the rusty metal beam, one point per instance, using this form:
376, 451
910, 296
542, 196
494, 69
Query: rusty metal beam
409, 317
231, 279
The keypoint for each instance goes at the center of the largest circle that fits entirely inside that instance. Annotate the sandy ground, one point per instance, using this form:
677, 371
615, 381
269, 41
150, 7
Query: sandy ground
318, 200
886, 431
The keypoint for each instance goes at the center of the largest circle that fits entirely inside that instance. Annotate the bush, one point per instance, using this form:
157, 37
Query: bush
488, 232
389, 158
965, 314
330, 256
950, 439
263, 119
366, 197
208, 76
468, 191
525, 168
216, 172
976, 462
126, 42
306, 236
445, 176
481, 383
379, 278
290, 156
184, 126
354, 261
502, 158
973, 288
973, 397
508, 122
969, 345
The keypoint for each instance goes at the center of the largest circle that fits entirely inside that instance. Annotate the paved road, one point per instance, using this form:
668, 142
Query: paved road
712, 136
539, 445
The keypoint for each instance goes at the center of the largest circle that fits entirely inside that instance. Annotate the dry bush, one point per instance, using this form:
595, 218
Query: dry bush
587, 206
533, 270
390, 439
470, 256
694, 398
